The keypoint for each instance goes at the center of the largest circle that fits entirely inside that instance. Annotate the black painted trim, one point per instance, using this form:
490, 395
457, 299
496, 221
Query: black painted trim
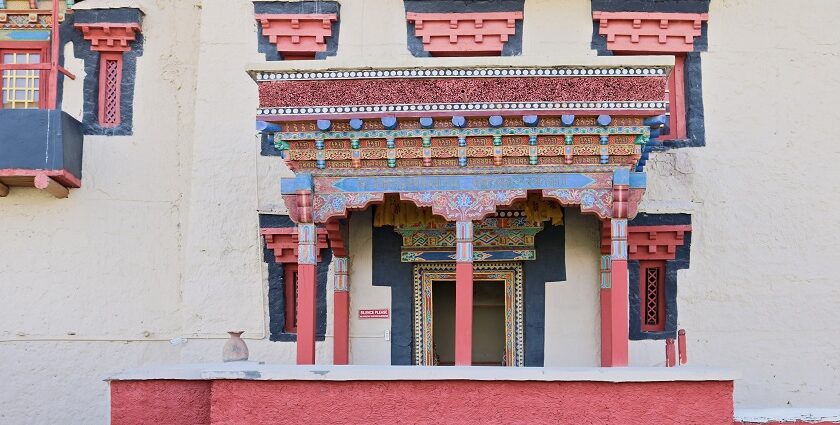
40, 139
513, 47
550, 266
388, 270
277, 291
82, 50
680, 262
680, 6
267, 48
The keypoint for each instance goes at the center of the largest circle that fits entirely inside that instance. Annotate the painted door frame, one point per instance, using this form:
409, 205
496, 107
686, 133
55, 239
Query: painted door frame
508, 272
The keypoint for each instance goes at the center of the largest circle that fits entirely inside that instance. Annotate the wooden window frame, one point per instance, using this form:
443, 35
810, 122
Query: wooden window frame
660, 296
39, 47
290, 275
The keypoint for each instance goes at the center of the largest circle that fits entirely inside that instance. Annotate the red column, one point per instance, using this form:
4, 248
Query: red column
341, 312
619, 305
463, 293
307, 260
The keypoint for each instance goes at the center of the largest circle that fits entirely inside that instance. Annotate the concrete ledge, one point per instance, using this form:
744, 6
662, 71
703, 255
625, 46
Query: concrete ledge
255, 371
787, 415
259, 394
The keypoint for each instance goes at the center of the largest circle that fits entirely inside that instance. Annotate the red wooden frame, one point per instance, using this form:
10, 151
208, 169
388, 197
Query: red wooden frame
290, 280
676, 97
40, 47
644, 266
110, 90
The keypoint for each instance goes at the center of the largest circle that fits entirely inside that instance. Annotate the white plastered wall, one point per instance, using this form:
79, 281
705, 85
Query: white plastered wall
572, 307
369, 338
162, 240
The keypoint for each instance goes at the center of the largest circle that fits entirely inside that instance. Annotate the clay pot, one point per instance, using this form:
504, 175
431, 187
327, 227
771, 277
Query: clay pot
235, 349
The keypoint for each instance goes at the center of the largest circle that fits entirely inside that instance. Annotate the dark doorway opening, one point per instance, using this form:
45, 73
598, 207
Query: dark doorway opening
488, 347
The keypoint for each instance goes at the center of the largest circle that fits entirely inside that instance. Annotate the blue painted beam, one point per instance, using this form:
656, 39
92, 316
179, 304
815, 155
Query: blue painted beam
621, 176
459, 121
638, 180
427, 122
267, 127
397, 184
290, 186
657, 121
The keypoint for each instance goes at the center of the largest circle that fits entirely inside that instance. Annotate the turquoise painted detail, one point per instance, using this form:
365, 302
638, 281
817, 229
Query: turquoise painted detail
462, 132
289, 186
638, 180
28, 35
621, 176
462, 183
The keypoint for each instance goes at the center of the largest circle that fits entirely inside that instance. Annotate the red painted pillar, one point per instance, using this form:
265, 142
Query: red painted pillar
341, 311
619, 303
670, 353
463, 293
683, 347
307, 260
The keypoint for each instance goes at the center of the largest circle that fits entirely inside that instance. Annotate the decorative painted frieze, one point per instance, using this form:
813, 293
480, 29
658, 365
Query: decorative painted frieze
464, 34
288, 96
23, 20
297, 36
650, 32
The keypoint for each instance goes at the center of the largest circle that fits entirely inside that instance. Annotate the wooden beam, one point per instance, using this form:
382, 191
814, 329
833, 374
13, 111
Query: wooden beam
45, 182
4, 190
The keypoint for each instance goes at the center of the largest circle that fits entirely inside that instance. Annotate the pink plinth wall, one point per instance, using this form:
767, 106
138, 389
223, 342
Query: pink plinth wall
389, 402
160, 402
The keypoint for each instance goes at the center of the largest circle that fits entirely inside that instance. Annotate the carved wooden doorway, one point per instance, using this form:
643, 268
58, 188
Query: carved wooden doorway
509, 273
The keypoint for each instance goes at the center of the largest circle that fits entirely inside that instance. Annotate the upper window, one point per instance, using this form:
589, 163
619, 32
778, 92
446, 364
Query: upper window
22, 86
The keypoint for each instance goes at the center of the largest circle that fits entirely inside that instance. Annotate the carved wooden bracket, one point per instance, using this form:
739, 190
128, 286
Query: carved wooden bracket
650, 32
649, 242
298, 36
283, 242
109, 37
464, 34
